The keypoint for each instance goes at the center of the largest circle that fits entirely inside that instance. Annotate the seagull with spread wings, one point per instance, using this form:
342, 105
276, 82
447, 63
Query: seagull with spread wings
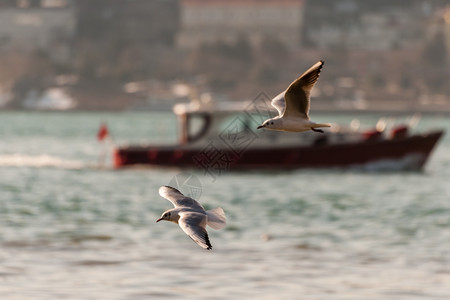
293, 104
191, 216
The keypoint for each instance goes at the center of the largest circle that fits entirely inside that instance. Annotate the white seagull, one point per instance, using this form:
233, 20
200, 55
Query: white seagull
293, 104
191, 216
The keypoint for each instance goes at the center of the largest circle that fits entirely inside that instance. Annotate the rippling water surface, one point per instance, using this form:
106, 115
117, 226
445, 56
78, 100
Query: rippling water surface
72, 230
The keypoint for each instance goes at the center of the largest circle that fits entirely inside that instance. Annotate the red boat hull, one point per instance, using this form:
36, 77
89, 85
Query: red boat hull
413, 150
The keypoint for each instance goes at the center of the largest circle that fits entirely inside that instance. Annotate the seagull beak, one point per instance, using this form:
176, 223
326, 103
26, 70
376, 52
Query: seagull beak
158, 220
260, 126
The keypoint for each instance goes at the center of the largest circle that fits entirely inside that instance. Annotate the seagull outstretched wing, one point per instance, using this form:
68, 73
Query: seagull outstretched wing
178, 199
296, 96
194, 225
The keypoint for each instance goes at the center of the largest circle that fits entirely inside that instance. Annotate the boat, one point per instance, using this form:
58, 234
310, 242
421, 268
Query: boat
223, 136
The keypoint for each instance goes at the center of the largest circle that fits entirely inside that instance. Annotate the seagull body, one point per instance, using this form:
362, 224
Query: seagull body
293, 104
191, 216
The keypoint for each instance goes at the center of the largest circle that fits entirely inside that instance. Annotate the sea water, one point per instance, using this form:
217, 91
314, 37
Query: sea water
72, 227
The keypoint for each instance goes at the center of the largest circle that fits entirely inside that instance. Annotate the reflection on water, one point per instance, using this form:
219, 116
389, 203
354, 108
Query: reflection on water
70, 230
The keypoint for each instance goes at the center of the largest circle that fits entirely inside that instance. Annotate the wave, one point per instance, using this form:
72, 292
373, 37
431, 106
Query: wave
41, 161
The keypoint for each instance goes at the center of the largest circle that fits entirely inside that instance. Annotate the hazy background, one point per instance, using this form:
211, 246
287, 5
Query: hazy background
122, 54
72, 230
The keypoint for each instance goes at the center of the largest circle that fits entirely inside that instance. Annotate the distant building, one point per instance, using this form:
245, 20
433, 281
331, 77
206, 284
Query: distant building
211, 21
365, 24
29, 25
446, 17
440, 24
128, 21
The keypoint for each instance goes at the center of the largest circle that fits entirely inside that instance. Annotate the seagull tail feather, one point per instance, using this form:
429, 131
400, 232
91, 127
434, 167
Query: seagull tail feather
216, 218
321, 125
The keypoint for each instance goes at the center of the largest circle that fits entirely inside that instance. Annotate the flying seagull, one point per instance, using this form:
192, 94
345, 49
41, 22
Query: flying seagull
293, 104
191, 216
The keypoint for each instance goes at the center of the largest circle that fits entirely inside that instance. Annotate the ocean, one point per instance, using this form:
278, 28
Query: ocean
72, 227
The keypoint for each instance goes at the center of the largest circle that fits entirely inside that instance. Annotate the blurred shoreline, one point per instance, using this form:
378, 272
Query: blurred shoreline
61, 55
323, 107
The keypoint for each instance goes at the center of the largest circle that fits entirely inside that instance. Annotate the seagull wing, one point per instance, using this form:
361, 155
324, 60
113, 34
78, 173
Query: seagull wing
279, 103
194, 225
178, 199
297, 94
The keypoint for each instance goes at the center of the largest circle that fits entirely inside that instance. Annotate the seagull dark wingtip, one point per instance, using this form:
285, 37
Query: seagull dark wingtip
172, 188
207, 242
321, 65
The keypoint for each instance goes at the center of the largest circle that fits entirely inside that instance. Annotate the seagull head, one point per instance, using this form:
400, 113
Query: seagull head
269, 124
170, 216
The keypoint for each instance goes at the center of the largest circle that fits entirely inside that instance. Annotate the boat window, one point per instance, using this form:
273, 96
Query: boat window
198, 126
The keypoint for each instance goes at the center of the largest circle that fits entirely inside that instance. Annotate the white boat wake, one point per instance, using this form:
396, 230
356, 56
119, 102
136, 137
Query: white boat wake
411, 162
40, 161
